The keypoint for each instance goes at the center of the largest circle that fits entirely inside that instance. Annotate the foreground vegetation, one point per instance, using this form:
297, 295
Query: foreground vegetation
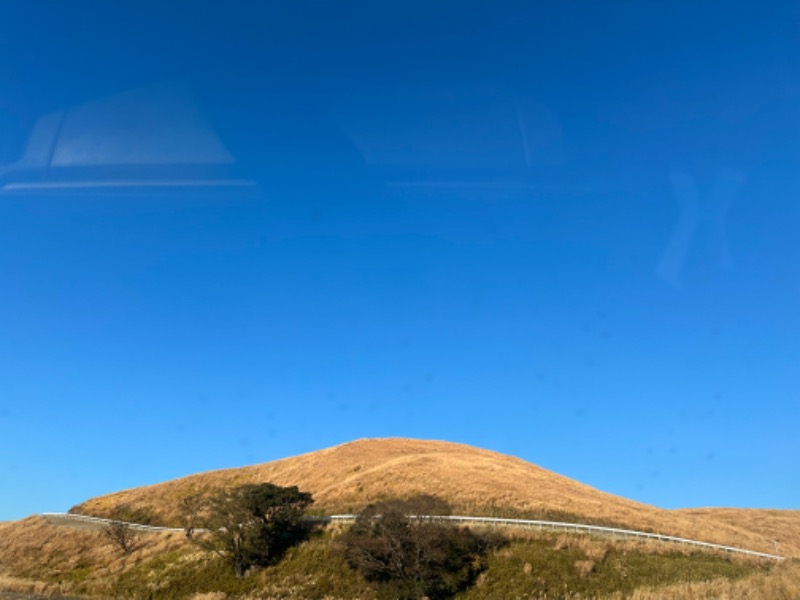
534, 566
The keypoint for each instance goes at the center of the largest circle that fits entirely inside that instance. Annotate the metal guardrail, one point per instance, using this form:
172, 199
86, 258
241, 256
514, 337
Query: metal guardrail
60, 518
612, 531
64, 518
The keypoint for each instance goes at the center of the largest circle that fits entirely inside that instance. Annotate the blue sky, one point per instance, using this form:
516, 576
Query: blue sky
566, 234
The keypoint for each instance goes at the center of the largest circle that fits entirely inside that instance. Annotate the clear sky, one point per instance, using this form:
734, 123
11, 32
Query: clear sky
568, 234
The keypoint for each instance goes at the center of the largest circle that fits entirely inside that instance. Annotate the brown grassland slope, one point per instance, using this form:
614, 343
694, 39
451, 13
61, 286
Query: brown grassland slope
39, 558
478, 482
781, 526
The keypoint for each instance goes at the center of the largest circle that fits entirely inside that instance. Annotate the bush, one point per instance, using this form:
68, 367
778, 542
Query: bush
410, 556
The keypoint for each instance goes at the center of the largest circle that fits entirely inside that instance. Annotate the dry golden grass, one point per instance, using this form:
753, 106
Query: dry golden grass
782, 583
347, 477
37, 557
782, 526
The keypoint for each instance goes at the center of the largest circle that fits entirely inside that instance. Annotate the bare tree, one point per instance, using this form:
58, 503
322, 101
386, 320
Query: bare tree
192, 508
122, 535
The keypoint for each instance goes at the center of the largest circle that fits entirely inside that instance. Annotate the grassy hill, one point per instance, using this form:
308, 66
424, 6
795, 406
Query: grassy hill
479, 482
38, 557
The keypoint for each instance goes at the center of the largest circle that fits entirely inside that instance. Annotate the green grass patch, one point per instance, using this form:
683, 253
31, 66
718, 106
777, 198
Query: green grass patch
179, 574
309, 571
313, 571
539, 569
544, 566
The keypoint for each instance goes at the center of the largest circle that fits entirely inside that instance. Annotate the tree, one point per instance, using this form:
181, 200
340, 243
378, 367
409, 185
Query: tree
121, 535
254, 524
120, 532
190, 509
411, 556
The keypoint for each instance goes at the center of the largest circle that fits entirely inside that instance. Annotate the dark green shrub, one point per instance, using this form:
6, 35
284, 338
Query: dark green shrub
414, 557
253, 525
